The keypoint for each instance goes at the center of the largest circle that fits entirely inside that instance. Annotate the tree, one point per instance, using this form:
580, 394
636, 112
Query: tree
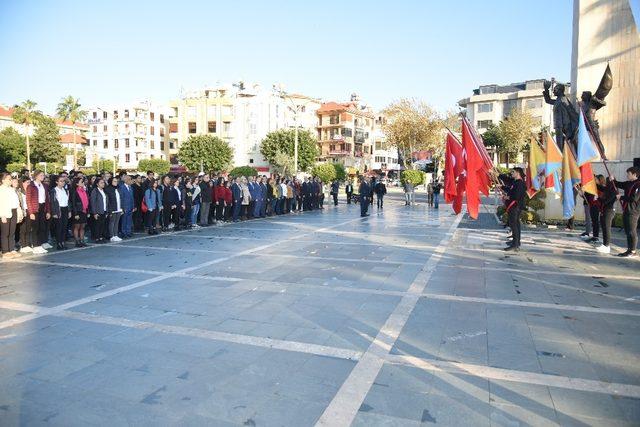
283, 141
15, 167
46, 141
208, 151
283, 162
159, 166
69, 109
105, 165
245, 171
413, 125
325, 171
516, 131
26, 114
12, 147
413, 176
341, 173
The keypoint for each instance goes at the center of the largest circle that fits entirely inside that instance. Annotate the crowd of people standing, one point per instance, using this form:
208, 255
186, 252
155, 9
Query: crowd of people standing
38, 209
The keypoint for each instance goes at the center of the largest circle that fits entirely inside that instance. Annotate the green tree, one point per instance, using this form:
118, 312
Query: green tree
12, 147
413, 176
70, 109
283, 163
325, 171
159, 166
341, 173
283, 141
245, 171
15, 167
106, 165
27, 115
208, 151
516, 131
46, 145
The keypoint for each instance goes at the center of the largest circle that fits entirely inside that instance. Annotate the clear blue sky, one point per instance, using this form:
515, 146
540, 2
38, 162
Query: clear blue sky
117, 51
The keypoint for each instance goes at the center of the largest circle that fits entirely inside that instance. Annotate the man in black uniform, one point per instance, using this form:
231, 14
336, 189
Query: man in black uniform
631, 214
365, 196
515, 204
349, 190
380, 189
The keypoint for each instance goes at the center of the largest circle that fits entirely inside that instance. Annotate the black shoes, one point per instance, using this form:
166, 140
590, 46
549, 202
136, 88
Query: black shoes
512, 249
628, 254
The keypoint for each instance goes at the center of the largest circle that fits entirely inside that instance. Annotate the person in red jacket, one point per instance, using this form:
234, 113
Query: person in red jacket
218, 198
38, 205
228, 198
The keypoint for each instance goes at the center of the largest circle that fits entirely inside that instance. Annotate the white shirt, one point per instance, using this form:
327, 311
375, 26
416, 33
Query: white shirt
42, 195
179, 193
118, 207
62, 196
284, 189
104, 197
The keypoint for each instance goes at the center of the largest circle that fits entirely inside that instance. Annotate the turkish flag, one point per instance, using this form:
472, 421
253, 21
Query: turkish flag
476, 166
454, 165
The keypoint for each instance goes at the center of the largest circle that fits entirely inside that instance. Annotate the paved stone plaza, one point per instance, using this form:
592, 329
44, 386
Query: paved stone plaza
411, 316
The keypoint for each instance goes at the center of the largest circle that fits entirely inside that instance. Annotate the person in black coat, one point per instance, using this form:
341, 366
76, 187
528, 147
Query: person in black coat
138, 195
365, 196
515, 204
380, 189
630, 202
349, 190
236, 193
335, 187
169, 203
607, 196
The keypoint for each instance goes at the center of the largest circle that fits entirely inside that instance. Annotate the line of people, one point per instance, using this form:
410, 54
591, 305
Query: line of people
38, 209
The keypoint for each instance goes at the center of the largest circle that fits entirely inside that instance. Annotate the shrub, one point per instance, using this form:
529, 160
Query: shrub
341, 173
15, 167
413, 176
159, 166
325, 171
88, 171
246, 171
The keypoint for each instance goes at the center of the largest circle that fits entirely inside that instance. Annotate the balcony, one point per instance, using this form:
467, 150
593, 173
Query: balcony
339, 153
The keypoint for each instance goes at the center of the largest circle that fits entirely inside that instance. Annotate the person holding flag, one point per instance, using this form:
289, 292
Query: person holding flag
607, 197
631, 204
515, 204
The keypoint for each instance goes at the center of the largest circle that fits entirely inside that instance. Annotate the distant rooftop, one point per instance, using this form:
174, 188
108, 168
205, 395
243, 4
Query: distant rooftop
511, 87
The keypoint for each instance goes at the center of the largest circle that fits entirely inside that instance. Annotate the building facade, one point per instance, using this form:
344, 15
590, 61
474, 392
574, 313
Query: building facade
127, 134
345, 134
384, 159
604, 31
240, 114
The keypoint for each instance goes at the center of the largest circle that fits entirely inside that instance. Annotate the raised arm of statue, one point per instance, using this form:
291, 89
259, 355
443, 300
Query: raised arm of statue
547, 97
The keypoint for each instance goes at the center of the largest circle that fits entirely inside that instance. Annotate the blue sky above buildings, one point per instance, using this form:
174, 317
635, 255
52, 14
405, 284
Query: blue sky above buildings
119, 51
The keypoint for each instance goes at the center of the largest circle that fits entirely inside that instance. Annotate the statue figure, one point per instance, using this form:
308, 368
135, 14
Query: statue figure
565, 117
592, 103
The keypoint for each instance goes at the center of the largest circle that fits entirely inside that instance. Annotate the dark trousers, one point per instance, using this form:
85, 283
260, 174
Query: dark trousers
251, 209
257, 205
39, 227
167, 214
220, 211
606, 218
364, 206
151, 219
379, 200
594, 213
138, 220
25, 232
514, 224
349, 198
99, 229
8, 232
335, 198
60, 224
630, 221
236, 209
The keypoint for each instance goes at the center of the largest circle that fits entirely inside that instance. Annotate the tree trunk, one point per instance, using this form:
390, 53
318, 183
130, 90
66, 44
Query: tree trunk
507, 154
75, 151
28, 153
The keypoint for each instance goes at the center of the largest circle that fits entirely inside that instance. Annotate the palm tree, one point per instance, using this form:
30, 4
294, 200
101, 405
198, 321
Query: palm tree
69, 109
26, 114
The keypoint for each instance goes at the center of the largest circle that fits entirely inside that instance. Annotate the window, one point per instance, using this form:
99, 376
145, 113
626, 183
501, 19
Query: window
508, 106
332, 147
137, 157
104, 114
162, 145
173, 127
126, 114
334, 120
485, 108
115, 114
172, 144
95, 115
95, 129
253, 128
161, 131
191, 112
152, 116
95, 142
153, 130
127, 158
226, 127
162, 118
211, 127
116, 145
126, 143
303, 108
153, 145
537, 84
105, 144
533, 103
104, 128
192, 127
484, 124
250, 160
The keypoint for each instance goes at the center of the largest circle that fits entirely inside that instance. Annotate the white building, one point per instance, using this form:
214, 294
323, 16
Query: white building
384, 159
128, 133
242, 115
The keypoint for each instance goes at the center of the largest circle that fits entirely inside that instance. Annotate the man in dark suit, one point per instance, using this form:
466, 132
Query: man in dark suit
365, 196
169, 203
236, 194
138, 195
263, 197
305, 194
380, 189
349, 190
128, 206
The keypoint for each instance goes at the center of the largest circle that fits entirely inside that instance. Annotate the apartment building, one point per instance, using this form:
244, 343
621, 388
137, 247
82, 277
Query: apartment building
345, 134
128, 133
241, 114
384, 159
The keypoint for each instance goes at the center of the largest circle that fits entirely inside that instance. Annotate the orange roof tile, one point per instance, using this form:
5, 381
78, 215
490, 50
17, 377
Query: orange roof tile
67, 138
